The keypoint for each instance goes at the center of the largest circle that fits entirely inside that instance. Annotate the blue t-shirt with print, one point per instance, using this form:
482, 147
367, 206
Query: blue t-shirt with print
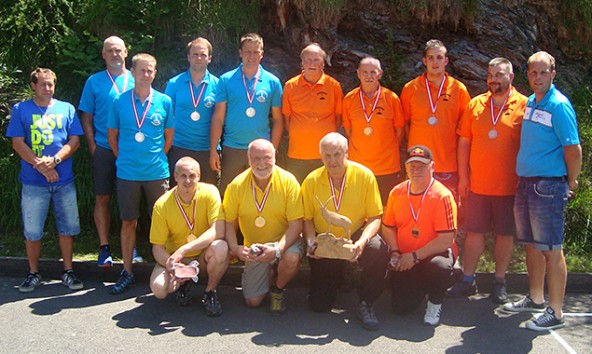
239, 129
190, 134
145, 160
45, 130
547, 127
97, 98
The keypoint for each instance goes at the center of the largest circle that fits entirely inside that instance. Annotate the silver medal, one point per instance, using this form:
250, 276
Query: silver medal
195, 116
432, 120
492, 134
250, 112
139, 137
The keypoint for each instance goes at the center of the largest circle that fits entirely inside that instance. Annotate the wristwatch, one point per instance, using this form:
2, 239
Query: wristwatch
57, 160
416, 259
278, 254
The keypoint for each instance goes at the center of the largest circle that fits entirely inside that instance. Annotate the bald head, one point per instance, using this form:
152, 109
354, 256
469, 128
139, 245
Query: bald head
114, 52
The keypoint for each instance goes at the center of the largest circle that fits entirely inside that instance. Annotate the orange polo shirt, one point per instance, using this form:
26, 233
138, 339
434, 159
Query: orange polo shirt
501, 152
437, 213
441, 138
380, 150
312, 110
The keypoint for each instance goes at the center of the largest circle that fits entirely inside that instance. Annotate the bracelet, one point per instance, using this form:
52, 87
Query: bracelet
416, 259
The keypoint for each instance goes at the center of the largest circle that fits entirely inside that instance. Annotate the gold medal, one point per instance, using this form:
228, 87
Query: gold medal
260, 221
368, 130
191, 237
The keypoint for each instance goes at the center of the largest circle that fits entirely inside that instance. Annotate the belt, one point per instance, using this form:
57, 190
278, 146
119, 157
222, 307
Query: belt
536, 179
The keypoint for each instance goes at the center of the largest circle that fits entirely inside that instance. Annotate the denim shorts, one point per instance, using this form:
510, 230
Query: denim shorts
539, 211
35, 203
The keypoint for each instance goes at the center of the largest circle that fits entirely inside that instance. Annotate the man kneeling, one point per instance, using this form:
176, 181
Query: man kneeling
185, 228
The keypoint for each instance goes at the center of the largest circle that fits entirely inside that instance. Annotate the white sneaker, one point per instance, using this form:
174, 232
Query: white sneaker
432, 315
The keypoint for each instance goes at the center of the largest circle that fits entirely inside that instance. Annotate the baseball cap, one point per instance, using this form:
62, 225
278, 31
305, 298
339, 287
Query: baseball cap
419, 153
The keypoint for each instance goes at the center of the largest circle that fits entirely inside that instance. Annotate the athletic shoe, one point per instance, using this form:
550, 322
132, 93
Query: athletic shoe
462, 288
70, 280
136, 258
546, 321
499, 294
367, 317
211, 304
125, 281
183, 295
277, 305
432, 315
524, 305
30, 283
105, 260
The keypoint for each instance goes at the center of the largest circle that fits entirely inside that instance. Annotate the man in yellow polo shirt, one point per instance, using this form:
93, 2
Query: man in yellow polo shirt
186, 226
265, 202
353, 192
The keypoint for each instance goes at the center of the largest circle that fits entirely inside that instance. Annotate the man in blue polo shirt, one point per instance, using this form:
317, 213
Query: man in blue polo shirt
45, 133
548, 165
95, 106
193, 93
140, 134
244, 98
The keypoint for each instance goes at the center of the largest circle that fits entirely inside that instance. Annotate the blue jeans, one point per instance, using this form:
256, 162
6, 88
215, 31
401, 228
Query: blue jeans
538, 210
35, 203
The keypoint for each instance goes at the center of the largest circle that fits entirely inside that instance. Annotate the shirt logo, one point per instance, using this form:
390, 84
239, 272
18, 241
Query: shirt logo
261, 96
210, 101
42, 129
156, 119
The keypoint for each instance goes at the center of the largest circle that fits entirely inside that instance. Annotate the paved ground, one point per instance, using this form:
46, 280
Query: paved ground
53, 319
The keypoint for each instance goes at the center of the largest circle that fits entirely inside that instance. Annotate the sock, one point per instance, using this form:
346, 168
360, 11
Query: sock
105, 247
468, 278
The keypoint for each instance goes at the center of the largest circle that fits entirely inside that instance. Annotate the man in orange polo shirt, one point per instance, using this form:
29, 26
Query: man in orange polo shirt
489, 133
433, 104
419, 226
372, 115
311, 106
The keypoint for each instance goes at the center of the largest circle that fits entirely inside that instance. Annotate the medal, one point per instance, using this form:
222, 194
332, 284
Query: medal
415, 231
189, 223
368, 129
125, 79
139, 137
337, 201
492, 134
250, 112
195, 115
433, 120
414, 215
260, 221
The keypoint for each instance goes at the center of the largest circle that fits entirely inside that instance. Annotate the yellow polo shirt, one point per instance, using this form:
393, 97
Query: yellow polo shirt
360, 201
169, 227
283, 204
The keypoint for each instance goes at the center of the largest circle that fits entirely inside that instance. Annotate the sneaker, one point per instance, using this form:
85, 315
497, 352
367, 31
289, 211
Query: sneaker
125, 281
545, 322
105, 260
30, 283
367, 316
432, 315
70, 280
136, 258
524, 305
211, 304
183, 295
462, 288
499, 294
277, 305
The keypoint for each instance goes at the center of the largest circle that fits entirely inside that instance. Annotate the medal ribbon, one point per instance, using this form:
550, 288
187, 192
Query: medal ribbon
413, 214
337, 202
196, 103
115, 84
265, 195
138, 122
249, 97
190, 224
495, 119
369, 118
432, 106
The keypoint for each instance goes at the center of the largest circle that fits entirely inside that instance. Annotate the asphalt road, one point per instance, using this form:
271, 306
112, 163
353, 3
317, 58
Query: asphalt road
54, 320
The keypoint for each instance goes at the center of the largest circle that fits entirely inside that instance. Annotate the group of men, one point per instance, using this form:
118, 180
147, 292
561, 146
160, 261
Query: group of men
478, 153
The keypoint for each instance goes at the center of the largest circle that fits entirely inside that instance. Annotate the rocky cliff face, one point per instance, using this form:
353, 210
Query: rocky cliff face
510, 28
